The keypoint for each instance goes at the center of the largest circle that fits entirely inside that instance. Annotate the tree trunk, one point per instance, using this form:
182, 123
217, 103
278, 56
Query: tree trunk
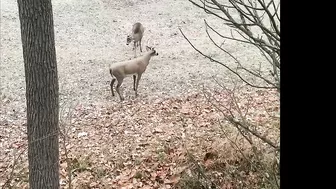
37, 35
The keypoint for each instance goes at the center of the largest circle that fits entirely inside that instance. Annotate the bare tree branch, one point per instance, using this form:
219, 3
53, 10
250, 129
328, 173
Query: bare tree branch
237, 123
237, 61
11, 175
208, 11
276, 8
245, 125
270, 17
234, 22
213, 60
256, 23
243, 27
245, 5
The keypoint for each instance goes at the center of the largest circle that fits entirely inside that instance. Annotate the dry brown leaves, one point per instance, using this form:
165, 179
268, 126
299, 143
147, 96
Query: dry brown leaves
134, 144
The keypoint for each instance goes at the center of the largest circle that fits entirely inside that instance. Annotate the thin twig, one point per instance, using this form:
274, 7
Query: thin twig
11, 175
254, 133
213, 60
239, 40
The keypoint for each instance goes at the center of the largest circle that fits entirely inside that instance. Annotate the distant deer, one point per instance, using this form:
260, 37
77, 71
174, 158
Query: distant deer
135, 67
136, 36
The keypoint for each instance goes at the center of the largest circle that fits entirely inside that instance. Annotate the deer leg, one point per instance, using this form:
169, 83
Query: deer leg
140, 46
120, 80
137, 84
134, 77
134, 49
111, 84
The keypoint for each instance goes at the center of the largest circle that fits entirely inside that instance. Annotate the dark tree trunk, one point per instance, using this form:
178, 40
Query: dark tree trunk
37, 35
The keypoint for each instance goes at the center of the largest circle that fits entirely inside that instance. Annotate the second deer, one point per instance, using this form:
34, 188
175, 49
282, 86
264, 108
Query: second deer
136, 36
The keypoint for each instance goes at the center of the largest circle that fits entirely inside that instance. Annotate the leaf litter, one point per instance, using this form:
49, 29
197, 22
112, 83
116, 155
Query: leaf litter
133, 144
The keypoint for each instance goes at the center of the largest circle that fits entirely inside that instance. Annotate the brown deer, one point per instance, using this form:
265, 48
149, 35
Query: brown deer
136, 36
135, 67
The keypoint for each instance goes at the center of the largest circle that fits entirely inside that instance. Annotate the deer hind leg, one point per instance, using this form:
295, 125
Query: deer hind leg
137, 84
111, 84
120, 80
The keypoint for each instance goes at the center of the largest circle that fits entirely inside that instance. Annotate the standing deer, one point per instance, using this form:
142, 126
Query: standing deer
136, 36
135, 67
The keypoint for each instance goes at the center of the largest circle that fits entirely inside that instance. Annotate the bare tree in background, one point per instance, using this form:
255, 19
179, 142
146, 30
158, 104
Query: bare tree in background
257, 24
37, 35
254, 22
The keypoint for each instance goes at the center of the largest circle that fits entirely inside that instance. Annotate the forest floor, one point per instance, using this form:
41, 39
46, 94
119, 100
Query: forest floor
143, 142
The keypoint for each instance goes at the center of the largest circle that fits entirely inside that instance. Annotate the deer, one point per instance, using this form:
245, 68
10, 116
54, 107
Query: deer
136, 36
135, 67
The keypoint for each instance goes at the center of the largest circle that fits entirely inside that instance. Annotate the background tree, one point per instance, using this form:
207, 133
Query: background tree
37, 35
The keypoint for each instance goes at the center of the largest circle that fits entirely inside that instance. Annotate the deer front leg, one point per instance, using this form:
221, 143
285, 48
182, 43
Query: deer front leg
137, 84
140, 46
134, 77
134, 49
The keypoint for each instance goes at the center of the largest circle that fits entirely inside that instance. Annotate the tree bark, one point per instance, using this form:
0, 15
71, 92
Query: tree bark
39, 53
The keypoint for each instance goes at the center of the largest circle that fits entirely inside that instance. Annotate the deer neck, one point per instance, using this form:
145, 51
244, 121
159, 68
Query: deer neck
147, 57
